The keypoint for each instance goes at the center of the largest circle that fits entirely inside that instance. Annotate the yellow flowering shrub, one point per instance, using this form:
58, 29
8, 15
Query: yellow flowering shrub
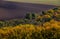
30, 31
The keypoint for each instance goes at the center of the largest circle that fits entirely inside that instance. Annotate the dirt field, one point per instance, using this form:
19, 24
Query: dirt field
10, 10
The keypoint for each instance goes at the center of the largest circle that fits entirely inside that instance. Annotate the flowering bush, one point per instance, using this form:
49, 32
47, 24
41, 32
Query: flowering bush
50, 30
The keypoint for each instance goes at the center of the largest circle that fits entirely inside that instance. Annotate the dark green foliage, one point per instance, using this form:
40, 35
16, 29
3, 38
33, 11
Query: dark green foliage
55, 9
28, 16
33, 16
46, 19
43, 13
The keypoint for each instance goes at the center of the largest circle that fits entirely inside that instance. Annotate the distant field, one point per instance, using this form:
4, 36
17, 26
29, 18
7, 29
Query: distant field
10, 10
50, 2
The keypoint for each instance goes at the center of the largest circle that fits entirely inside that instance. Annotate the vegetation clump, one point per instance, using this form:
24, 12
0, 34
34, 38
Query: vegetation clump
33, 26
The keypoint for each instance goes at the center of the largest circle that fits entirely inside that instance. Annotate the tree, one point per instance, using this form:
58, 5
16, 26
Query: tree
43, 13
31, 16
28, 16
34, 15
